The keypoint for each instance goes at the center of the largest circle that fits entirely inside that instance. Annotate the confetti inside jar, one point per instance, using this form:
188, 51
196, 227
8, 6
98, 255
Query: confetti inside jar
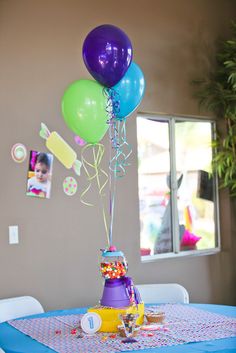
113, 264
111, 268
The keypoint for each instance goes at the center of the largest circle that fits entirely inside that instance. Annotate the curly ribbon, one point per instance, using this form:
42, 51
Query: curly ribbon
117, 134
112, 109
122, 152
94, 171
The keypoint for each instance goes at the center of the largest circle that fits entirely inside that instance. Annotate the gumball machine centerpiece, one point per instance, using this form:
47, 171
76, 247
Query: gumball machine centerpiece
118, 290
120, 297
118, 91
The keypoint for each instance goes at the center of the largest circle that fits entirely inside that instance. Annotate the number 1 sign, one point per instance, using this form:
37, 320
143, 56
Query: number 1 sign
91, 323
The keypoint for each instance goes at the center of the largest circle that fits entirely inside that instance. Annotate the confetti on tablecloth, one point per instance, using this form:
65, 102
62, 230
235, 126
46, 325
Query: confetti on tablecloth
185, 324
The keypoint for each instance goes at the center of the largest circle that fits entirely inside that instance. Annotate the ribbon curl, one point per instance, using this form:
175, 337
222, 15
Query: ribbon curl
94, 171
117, 134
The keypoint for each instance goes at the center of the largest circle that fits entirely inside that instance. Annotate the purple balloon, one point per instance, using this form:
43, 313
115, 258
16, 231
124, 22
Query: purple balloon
107, 54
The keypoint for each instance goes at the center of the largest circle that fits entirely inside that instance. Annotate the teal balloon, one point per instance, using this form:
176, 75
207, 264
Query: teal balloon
130, 90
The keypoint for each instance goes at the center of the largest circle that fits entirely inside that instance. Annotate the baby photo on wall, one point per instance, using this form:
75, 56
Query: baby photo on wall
39, 174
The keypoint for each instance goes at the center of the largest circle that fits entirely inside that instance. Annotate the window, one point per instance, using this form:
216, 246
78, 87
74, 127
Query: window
178, 199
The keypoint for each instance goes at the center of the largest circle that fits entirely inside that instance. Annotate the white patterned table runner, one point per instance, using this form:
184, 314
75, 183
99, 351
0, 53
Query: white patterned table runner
185, 324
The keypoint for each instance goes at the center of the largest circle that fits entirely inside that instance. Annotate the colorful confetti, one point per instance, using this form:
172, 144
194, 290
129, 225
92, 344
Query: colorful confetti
113, 269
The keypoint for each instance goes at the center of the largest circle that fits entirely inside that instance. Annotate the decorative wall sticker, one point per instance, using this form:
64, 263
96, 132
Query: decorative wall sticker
60, 148
70, 186
39, 174
79, 141
18, 153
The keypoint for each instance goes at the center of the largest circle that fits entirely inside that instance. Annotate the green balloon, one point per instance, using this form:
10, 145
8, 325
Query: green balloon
84, 108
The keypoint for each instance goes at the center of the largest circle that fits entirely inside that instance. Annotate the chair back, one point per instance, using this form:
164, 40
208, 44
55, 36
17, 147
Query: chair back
13, 308
163, 293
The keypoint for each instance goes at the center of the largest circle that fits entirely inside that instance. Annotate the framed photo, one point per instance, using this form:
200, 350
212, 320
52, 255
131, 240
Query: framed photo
39, 174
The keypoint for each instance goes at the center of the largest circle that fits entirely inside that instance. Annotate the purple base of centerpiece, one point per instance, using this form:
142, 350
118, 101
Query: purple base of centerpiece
115, 294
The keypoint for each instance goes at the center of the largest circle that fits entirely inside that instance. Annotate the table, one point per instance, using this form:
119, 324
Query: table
13, 341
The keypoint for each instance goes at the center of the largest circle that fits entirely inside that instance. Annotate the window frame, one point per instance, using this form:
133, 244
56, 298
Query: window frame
176, 253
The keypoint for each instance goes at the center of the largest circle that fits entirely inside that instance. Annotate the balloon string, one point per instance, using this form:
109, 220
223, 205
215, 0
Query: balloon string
122, 150
97, 159
112, 208
113, 108
125, 143
95, 172
85, 163
116, 166
118, 162
112, 188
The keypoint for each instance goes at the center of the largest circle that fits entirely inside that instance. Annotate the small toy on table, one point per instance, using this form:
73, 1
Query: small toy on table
129, 326
121, 330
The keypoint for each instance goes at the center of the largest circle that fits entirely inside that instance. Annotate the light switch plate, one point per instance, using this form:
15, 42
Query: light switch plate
13, 235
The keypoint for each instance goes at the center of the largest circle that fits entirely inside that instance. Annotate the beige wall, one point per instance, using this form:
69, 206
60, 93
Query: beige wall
40, 54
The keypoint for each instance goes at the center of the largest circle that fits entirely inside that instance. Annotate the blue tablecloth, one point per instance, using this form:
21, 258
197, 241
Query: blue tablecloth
13, 341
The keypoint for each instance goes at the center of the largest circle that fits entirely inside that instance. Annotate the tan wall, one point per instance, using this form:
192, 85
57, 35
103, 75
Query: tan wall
40, 54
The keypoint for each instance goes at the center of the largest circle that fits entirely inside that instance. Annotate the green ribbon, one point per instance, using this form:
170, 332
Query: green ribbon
94, 171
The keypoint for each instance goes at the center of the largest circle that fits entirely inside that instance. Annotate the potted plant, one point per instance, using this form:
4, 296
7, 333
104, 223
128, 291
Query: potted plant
217, 93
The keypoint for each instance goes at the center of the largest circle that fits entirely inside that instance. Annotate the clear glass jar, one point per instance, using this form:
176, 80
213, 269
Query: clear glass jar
113, 264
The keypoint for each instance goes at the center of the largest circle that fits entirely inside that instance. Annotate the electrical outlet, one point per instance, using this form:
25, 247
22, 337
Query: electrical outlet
13, 235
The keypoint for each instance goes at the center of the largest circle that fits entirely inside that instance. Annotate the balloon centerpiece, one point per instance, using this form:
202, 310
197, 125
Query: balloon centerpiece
89, 109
